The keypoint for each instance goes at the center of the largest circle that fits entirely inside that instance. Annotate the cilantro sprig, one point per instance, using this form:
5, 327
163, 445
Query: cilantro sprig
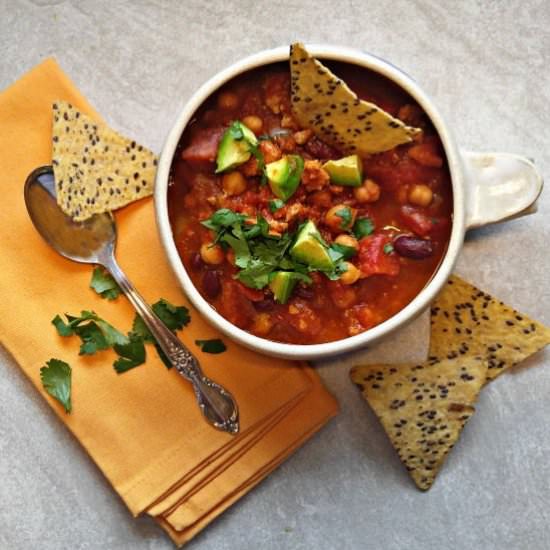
95, 333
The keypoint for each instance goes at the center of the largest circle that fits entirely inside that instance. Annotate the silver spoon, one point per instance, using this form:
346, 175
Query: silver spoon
93, 242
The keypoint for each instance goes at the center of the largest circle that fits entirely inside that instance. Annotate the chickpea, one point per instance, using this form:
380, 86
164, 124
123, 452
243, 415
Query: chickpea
347, 240
368, 192
228, 101
351, 275
234, 183
420, 195
212, 254
340, 217
255, 123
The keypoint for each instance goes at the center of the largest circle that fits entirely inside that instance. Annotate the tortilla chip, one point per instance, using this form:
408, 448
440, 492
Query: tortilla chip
422, 407
324, 103
96, 169
466, 321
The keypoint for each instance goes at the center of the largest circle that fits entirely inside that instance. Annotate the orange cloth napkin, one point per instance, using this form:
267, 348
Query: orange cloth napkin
142, 428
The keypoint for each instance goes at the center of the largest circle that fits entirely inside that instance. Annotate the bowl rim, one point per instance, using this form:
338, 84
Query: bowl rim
416, 306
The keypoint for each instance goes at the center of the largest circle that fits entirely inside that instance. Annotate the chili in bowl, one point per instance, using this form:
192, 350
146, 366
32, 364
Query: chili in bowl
290, 245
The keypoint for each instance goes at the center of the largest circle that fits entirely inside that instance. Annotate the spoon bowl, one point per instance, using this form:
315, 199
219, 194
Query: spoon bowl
93, 242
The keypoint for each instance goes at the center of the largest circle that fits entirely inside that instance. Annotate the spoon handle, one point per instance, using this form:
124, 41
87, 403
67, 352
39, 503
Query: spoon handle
217, 405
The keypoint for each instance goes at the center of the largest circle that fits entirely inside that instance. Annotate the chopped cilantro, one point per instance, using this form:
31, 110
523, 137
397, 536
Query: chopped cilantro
174, 317
388, 248
363, 227
345, 214
211, 346
235, 131
240, 247
258, 155
131, 354
56, 380
223, 218
256, 274
104, 284
345, 252
275, 204
95, 333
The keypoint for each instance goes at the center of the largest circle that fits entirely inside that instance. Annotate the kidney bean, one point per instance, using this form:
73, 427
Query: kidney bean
267, 304
196, 262
413, 247
211, 283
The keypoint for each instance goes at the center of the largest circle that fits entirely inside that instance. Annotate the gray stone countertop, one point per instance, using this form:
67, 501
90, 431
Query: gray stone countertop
485, 63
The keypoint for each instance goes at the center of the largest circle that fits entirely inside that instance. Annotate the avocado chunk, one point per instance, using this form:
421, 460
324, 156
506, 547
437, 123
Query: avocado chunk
345, 171
310, 250
282, 284
284, 175
235, 146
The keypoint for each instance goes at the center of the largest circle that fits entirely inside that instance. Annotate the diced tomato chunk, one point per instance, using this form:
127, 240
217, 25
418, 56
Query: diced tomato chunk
203, 147
373, 260
416, 220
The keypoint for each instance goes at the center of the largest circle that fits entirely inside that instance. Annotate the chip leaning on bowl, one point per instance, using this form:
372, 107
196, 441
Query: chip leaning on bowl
305, 213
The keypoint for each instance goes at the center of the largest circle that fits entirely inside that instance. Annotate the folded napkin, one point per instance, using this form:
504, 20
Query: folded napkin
142, 428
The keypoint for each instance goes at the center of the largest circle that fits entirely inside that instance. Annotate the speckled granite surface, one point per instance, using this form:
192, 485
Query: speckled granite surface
486, 65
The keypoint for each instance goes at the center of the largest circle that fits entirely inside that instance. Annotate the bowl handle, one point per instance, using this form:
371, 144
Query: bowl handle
499, 186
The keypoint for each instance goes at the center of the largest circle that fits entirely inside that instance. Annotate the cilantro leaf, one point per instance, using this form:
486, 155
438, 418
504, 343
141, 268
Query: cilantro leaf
174, 317
388, 248
343, 251
275, 204
211, 346
104, 284
162, 356
239, 245
223, 219
363, 227
236, 131
56, 380
255, 274
63, 329
345, 214
95, 333
131, 354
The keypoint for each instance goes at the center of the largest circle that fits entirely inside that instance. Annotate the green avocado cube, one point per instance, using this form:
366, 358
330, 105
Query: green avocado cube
310, 249
345, 171
284, 175
282, 284
234, 148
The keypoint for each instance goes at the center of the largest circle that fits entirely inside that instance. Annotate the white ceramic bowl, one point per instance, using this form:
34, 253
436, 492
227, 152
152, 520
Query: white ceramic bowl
487, 187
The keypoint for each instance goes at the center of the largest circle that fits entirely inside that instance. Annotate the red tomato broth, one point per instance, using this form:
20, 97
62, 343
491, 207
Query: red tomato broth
326, 310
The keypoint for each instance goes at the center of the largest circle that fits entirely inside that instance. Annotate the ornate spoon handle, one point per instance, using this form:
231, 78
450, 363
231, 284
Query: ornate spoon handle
217, 405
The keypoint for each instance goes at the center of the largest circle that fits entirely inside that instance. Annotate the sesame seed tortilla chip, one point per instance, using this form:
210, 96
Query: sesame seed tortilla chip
96, 169
323, 102
466, 321
423, 408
